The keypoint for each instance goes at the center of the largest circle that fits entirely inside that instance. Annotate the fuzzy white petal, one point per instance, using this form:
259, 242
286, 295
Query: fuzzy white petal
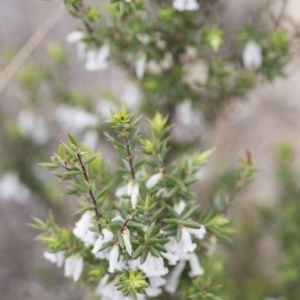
195, 266
153, 180
252, 56
173, 278
140, 66
126, 237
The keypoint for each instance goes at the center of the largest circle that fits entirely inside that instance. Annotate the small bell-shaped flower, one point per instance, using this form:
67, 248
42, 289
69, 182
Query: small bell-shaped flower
186, 241
126, 237
134, 195
154, 289
97, 60
153, 266
140, 66
105, 237
113, 259
56, 258
153, 180
74, 266
195, 266
252, 56
182, 5
198, 233
173, 277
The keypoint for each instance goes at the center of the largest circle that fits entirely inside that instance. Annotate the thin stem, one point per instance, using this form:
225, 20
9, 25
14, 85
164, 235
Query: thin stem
281, 15
86, 177
82, 10
129, 158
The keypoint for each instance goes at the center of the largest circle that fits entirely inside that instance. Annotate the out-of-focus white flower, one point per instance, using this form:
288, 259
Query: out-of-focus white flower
126, 237
198, 233
56, 258
179, 207
182, 5
113, 258
186, 114
106, 236
97, 60
140, 66
143, 38
155, 283
153, 180
74, 266
186, 241
90, 139
252, 56
195, 266
81, 229
173, 277
172, 258
153, 266
163, 192
74, 119
75, 36
33, 127
12, 189
153, 67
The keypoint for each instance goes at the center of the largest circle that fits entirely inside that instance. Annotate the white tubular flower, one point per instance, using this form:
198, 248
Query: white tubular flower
176, 248
113, 259
81, 229
252, 56
74, 266
172, 258
186, 241
153, 67
155, 283
153, 180
75, 36
56, 258
140, 66
104, 238
134, 195
126, 237
97, 60
182, 5
153, 266
173, 278
121, 191
179, 207
196, 269
163, 192
198, 233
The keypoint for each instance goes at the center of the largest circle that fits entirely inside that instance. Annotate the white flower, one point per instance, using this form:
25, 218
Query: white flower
252, 56
198, 233
104, 238
97, 60
153, 266
182, 5
81, 229
153, 180
186, 241
74, 266
56, 258
12, 189
179, 207
134, 195
163, 192
153, 67
75, 36
171, 257
113, 259
74, 119
155, 283
173, 277
196, 269
126, 237
33, 127
140, 66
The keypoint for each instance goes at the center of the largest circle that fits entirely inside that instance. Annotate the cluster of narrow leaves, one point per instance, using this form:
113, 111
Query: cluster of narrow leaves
140, 233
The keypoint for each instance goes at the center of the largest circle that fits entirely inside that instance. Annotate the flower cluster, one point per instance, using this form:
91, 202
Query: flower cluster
136, 237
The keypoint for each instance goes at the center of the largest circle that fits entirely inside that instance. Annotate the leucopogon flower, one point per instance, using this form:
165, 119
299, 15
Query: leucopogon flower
153, 266
74, 267
153, 180
154, 289
126, 237
132, 190
182, 5
81, 229
55, 258
252, 56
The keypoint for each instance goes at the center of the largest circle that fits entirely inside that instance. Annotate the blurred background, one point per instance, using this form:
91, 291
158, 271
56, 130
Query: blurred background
45, 92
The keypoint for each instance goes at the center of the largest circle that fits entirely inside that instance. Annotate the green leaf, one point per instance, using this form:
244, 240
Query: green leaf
90, 159
154, 251
152, 241
144, 255
191, 224
171, 221
138, 251
50, 165
150, 230
72, 139
178, 234
189, 213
